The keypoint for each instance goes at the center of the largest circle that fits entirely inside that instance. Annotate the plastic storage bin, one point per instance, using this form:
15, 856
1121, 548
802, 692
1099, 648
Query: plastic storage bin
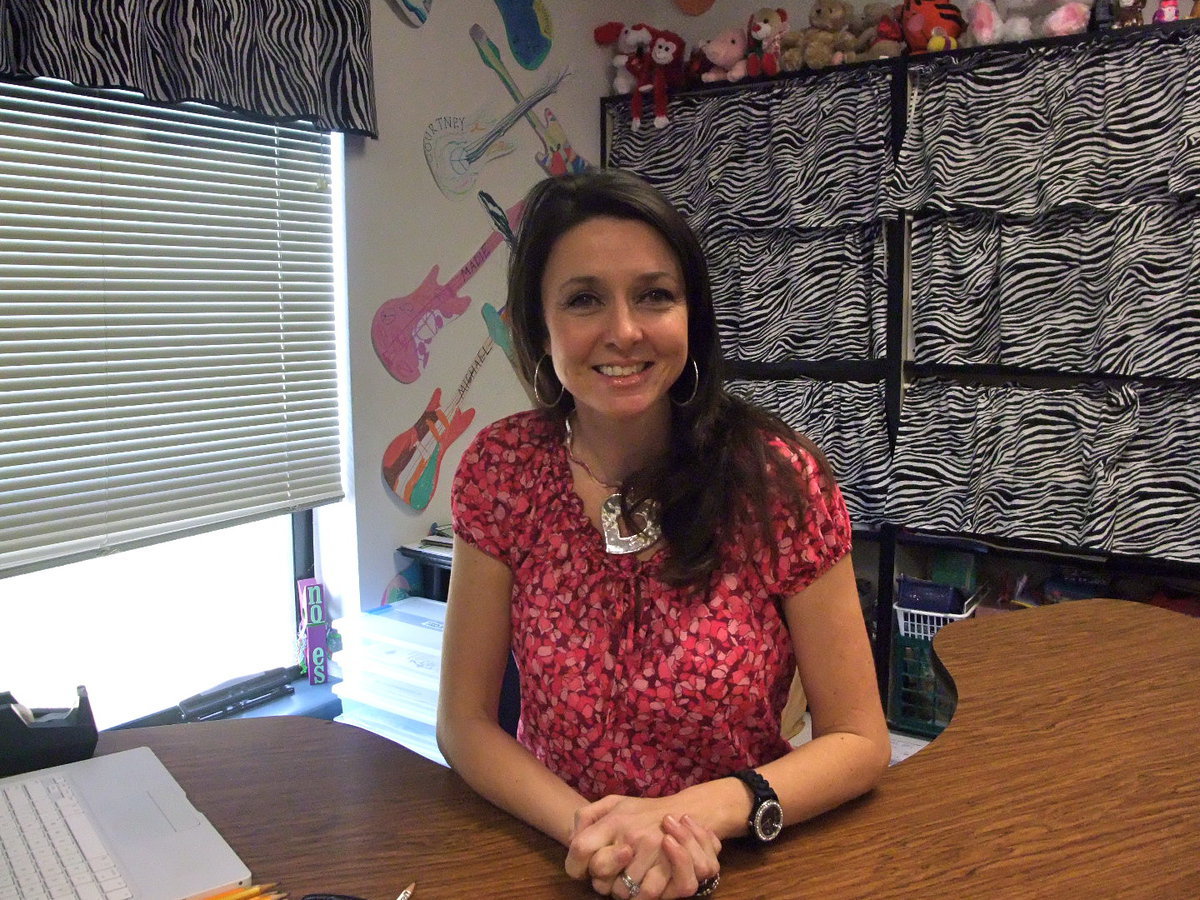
919, 699
389, 664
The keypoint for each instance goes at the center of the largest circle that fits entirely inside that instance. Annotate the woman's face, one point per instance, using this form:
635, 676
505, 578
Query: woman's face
615, 306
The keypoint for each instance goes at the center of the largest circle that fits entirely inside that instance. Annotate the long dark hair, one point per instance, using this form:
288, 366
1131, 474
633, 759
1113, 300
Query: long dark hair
719, 475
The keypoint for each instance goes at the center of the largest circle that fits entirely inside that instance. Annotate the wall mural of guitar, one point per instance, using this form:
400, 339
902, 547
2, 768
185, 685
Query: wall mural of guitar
456, 156
403, 327
412, 462
557, 156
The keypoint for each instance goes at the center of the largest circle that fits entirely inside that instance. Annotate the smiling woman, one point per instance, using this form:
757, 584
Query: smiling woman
661, 559
616, 320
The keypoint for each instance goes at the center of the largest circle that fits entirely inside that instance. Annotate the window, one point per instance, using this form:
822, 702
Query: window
168, 351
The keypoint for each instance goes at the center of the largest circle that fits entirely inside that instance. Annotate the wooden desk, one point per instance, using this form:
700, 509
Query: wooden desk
1071, 769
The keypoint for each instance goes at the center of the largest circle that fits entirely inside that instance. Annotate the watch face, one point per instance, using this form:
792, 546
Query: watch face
768, 821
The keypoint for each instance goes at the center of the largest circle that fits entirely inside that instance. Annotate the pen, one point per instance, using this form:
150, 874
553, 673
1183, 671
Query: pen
407, 893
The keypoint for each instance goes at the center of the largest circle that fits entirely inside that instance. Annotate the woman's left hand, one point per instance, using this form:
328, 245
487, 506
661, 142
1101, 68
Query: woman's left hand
622, 841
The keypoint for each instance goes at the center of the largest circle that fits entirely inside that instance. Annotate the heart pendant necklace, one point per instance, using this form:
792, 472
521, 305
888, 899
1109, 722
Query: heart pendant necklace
645, 517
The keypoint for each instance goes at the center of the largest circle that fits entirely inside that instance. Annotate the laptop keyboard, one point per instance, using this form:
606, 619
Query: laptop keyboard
48, 848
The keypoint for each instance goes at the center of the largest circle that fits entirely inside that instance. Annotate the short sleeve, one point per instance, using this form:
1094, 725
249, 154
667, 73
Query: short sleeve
479, 503
808, 543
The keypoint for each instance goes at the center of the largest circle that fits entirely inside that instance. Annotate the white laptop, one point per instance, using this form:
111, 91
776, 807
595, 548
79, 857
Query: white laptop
130, 834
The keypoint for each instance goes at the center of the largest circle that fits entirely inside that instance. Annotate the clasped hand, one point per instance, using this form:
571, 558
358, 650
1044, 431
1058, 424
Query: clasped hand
666, 855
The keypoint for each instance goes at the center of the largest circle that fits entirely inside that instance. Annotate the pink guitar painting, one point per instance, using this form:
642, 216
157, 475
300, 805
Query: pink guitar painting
412, 462
403, 327
557, 156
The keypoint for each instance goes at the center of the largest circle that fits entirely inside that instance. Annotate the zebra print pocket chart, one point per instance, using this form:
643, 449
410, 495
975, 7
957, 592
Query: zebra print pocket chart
1054, 191
1057, 231
783, 180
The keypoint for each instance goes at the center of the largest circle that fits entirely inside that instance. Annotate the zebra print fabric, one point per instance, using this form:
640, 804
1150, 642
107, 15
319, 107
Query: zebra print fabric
1094, 466
306, 60
844, 419
809, 152
1076, 290
1025, 130
799, 294
1055, 229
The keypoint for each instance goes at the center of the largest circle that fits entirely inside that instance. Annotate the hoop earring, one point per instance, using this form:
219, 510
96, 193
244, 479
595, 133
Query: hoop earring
537, 394
695, 384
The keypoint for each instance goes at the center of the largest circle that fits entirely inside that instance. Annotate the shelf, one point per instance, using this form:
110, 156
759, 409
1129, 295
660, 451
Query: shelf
982, 373
868, 370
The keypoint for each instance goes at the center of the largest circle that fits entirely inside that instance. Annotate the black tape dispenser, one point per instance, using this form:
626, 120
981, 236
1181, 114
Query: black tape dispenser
36, 738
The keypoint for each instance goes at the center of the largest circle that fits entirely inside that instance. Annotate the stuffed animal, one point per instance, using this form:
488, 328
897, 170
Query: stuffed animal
631, 46
880, 36
825, 42
923, 21
1127, 13
993, 21
765, 31
1168, 11
1195, 13
666, 62
727, 53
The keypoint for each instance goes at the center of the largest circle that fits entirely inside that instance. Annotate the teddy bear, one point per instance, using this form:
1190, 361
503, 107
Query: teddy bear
994, 21
631, 47
826, 41
880, 35
727, 53
765, 30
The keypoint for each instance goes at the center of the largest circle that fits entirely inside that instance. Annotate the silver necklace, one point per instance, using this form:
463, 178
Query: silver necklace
646, 517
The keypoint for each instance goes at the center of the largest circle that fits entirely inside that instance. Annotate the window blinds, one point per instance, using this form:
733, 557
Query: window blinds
167, 350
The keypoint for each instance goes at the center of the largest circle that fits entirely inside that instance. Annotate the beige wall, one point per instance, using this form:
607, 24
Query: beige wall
399, 225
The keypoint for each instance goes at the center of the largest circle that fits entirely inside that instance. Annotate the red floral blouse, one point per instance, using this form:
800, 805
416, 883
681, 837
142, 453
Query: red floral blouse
628, 685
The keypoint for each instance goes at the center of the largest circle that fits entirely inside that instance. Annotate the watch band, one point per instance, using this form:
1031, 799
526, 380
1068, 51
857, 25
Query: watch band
766, 815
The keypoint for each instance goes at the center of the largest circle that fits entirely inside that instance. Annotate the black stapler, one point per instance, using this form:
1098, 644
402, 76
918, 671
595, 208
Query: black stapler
36, 738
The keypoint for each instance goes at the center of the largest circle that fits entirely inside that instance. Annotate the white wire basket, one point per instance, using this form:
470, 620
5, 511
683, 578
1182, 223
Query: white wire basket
917, 623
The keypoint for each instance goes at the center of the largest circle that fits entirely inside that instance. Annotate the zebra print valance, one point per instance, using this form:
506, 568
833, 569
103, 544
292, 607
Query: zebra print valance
1080, 291
804, 152
305, 60
1097, 466
1104, 124
846, 420
766, 313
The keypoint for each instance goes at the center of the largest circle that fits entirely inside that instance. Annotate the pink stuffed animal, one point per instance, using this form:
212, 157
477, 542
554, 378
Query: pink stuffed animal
993, 21
727, 53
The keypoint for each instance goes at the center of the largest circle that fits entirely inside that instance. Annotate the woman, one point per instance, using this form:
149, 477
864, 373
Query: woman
661, 558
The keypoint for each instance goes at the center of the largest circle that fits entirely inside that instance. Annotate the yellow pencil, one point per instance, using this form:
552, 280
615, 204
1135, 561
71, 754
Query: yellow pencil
243, 893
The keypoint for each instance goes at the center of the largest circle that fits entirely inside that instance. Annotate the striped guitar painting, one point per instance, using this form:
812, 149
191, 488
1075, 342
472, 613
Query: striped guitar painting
412, 462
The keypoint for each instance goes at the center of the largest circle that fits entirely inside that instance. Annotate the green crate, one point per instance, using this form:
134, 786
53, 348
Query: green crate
919, 699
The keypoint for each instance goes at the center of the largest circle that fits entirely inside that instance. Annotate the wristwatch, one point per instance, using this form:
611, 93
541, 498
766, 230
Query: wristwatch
766, 816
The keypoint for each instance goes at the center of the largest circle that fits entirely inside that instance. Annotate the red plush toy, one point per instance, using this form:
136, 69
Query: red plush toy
666, 71
931, 20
